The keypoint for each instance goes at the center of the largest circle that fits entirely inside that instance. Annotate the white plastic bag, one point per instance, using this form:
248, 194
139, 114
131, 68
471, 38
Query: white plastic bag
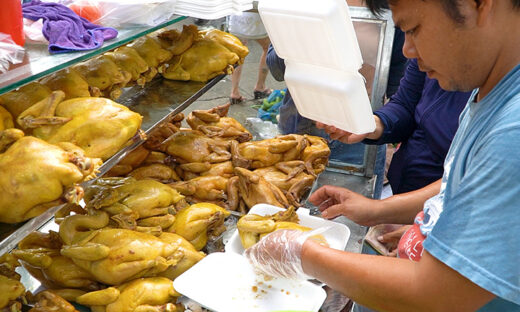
10, 52
117, 13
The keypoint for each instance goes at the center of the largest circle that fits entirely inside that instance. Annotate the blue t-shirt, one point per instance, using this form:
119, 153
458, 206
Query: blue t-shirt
476, 229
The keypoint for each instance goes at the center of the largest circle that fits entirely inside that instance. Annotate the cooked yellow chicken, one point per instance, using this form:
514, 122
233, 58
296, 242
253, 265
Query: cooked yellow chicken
251, 226
128, 60
253, 189
132, 203
204, 60
190, 255
177, 42
265, 153
102, 73
71, 83
316, 154
10, 287
154, 294
40, 256
151, 51
195, 170
19, 100
97, 125
203, 188
290, 177
229, 41
159, 172
53, 171
115, 256
196, 222
215, 123
190, 146
6, 120
131, 161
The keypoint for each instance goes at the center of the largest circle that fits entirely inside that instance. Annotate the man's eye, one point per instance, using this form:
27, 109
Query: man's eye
411, 31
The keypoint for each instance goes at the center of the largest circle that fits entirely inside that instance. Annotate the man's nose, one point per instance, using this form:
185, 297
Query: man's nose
409, 49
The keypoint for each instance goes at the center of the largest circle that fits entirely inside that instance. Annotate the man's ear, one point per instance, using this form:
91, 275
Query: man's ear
485, 10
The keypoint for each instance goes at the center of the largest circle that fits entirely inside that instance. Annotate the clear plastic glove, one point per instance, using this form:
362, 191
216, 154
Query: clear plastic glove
10, 52
279, 253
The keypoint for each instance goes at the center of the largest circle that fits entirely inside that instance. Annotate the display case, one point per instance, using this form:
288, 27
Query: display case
162, 98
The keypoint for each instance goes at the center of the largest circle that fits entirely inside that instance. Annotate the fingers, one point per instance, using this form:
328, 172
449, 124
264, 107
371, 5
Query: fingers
324, 193
332, 212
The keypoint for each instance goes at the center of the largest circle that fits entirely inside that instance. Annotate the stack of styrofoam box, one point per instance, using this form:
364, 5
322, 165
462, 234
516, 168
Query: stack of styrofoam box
212, 9
322, 59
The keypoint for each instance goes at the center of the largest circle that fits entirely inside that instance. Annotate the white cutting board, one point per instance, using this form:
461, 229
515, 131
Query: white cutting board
226, 282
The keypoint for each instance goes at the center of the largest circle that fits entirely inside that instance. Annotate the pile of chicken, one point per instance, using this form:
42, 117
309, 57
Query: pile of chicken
64, 129
120, 252
215, 161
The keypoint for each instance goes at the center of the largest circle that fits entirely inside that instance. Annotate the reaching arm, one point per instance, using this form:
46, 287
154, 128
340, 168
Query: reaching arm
334, 201
391, 284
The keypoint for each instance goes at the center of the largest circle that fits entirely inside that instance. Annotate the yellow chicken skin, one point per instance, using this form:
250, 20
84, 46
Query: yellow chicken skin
195, 170
115, 256
128, 60
10, 287
99, 126
177, 42
36, 175
203, 188
251, 226
196, 222
190, 255
154, 294
19, 100
215, 123
191, 146
71, 83
229, 41
265, 153
102, 73
40, 255
136, 203
153, 54
204, 60
6, 120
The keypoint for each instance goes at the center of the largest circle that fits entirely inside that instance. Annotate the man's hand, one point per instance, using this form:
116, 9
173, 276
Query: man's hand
350, 138
335, 201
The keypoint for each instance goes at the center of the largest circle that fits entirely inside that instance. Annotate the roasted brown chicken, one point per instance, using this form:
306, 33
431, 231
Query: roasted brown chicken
53, 170
98, 125
265, 153
191, 146
253, 189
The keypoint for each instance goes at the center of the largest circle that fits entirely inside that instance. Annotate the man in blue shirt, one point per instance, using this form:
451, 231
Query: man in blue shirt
470, 259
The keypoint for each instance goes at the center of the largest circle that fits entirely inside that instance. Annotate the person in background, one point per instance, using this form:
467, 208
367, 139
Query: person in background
248, 26
470, 253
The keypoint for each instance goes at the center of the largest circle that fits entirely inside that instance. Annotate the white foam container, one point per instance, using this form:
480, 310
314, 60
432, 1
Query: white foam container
312, 32
226, 282
337, 234
330, 96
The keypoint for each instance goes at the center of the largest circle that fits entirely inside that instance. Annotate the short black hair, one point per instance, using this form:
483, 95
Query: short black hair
450, 6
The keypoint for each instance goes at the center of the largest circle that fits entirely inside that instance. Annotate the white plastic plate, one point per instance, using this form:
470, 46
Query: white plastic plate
337, 234
226, 282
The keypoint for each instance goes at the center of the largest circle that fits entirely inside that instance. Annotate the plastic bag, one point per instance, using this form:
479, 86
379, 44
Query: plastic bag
33, 31
117, 13
10, 52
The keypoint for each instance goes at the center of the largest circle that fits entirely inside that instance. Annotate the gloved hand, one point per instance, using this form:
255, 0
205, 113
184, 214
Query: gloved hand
279, 253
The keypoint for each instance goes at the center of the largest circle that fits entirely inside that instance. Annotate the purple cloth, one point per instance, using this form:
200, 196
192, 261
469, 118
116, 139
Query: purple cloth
64, 29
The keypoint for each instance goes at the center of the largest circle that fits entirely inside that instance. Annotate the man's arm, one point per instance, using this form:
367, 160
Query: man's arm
334, 201
391, 284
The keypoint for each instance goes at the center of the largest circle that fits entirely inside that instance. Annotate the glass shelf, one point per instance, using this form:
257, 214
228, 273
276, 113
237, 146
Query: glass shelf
39, 63
159, 100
